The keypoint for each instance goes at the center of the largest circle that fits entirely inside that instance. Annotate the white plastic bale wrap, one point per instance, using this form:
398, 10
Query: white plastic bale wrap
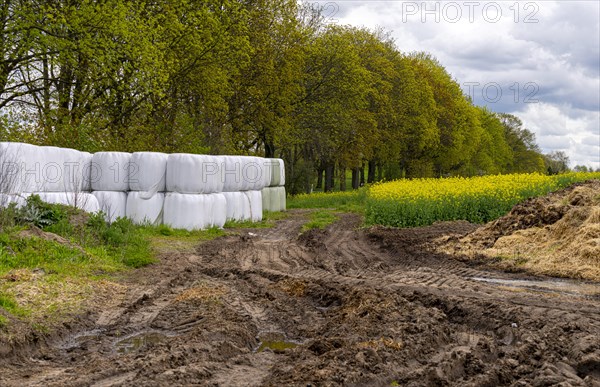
82, 200
147, 173
266, 198
254, 173
282, 198
238, 206
255, 199
194, 174
63, 170
30, 168
86, 170
231, 172
21, 168
195, 211
112, 203
277, 170
274, 199
217, 209
145, 211
7, 199
110, 171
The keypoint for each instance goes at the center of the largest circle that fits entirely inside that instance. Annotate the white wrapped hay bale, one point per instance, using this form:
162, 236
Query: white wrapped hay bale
195, 211
273, 199
30, 168
231, 172
244, 173
277, 169
255, 199
194, 174
282, 199
217, 209
112, 203
266, 197
145, 211
82, 200
255, 173
86, 170
21, 168
147, 173
110, 171
238, 206
186, 211
63, 169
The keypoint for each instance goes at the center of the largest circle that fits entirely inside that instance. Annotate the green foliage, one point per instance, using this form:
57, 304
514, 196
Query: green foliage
262, 77
39, 213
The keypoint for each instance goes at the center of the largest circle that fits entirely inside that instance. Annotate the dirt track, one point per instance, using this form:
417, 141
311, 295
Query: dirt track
361, 307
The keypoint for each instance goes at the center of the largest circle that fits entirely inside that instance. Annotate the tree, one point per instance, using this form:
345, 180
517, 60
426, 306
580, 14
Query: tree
457, 119
556, 162
526, 153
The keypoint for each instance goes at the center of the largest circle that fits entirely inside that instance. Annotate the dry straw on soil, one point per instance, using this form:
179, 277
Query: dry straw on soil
557, 235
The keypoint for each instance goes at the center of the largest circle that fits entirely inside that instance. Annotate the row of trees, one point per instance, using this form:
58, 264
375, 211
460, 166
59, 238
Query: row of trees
267, 77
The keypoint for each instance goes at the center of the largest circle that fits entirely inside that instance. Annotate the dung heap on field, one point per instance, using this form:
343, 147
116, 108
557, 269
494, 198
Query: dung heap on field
558, 234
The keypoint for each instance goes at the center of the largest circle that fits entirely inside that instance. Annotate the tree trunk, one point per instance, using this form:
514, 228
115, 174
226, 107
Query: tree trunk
371, 172
269, 148
362, 175
329, 170
379, 168
342, 172
320, 171
355, 178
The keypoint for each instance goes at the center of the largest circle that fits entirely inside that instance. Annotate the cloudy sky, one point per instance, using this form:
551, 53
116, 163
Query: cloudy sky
539, 60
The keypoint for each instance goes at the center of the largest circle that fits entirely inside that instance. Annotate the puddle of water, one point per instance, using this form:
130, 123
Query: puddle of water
553, 286
275, 341
78, 339
138, 340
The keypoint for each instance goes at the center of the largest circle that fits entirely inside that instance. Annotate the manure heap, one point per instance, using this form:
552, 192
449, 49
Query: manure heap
188, 191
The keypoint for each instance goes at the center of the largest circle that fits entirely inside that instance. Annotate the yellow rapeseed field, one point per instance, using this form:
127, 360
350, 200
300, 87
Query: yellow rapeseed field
418, 202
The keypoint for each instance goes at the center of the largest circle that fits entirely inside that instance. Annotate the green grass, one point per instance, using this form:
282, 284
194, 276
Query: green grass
319, 219
348, 201
8, 303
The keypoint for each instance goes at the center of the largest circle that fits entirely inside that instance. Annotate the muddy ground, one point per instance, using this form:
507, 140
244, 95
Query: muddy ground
342, 306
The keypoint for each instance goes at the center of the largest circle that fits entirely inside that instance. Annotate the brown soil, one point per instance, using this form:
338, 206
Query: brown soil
558, 234
343, 306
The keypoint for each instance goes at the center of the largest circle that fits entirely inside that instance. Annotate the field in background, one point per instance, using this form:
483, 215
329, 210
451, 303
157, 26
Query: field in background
420, 202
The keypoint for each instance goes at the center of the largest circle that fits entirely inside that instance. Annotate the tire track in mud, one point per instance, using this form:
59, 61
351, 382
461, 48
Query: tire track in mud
368, 307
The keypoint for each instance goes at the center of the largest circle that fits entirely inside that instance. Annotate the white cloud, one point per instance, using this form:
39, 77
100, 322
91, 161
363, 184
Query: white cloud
556, 54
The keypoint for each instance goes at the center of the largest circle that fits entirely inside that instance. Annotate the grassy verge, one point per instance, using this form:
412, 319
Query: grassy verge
348, 201
319, 219
54, 259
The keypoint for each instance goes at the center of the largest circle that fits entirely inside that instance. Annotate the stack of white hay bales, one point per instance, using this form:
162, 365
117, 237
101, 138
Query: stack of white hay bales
273, 196
244, 177
147, 183
110, 182
57, 175
194, 185
181, 190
